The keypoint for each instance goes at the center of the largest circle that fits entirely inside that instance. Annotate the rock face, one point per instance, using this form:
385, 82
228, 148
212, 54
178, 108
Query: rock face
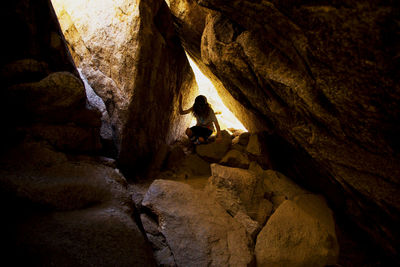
239, 190
301, 229
43, 95
133, 59
323, 77
64, 212
299, 233
198, 231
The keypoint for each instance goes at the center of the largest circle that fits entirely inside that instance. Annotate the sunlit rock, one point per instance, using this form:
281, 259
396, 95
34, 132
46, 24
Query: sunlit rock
186, 215
132, 58
238, 190
299, 233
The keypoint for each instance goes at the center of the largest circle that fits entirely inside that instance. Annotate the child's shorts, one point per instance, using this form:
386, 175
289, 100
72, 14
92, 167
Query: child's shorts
199, 131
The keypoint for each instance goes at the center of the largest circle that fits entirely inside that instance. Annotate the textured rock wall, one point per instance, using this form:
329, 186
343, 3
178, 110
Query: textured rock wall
43, 96
324, 77
163, 73
132, 58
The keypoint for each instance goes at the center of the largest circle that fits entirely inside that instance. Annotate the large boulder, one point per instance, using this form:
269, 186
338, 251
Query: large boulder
197, 229
97, 236
301, 232
65, 212
131, 56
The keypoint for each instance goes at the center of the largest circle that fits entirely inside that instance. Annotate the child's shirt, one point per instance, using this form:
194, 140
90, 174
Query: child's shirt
207, 122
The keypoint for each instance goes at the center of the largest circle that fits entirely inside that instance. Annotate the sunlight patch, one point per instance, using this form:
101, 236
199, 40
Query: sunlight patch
225, 117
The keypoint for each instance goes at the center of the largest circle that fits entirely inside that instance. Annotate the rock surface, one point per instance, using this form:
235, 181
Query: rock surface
238, 190
300, 233
133, 59
323, 77
214, 151
42, 87
65, 212
198, 230
235, 158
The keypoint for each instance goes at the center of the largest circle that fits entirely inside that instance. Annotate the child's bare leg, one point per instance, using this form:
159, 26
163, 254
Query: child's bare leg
189, 132
201, 139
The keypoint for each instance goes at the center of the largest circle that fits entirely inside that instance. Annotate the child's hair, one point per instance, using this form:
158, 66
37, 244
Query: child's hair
201, 108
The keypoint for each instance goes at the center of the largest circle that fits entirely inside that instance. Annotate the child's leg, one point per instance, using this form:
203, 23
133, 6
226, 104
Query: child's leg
189, 132
204, 134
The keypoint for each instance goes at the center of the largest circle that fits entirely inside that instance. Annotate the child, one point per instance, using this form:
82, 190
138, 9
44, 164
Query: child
205, 117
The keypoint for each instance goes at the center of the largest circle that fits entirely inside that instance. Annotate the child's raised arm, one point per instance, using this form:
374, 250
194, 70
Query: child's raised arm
181, 111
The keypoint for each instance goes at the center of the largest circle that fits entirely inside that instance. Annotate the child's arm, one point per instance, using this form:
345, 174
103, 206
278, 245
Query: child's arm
219, 137
181, 111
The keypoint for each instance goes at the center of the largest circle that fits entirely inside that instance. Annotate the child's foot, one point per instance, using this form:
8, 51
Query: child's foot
197, 142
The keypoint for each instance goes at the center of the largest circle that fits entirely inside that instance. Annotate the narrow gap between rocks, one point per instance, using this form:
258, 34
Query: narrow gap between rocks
226, 118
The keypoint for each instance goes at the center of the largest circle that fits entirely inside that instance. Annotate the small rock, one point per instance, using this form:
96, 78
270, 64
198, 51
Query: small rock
215, 151
244, 138
235, 158
235, 140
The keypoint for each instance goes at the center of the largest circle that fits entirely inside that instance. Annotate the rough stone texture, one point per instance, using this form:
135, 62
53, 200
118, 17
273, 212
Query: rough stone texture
190, 20
133, 59
35, 37
254, 146
194, 165
214, 151
238, 190
252, 227
93, 237
197, 229
40, 81
175, 156
324, 77
235, 158
244, 138
299, 233
62, 212
162, 252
